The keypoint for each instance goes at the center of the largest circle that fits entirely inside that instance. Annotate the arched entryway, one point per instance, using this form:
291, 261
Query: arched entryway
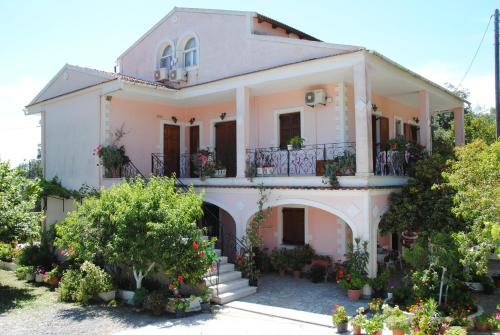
221, 225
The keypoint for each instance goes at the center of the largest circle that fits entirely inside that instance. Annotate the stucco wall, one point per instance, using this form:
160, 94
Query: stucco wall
226, 47
71, 128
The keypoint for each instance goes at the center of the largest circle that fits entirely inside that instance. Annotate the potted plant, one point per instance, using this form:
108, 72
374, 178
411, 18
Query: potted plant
340, 319
39, 274
279, 261
25, 272
483, 322
54, 276
220, 170
296, 262
205, 300
358, 321
155, 302
295, 143
455, 330
352, 283
375, 325
374, 305
177, 305
397, 321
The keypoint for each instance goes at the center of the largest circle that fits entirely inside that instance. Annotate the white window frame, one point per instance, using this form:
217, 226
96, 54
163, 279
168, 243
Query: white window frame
277, 114
280, 226
169, 64
401, 128
183, 40
160, 47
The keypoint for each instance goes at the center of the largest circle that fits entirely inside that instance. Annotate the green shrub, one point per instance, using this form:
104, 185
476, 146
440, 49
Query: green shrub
22, 271
5, 252
155, 301
69, 285
82, 285
318, 272
36, 255
140, 296
94, 281
456, 330
279, 260
374, 325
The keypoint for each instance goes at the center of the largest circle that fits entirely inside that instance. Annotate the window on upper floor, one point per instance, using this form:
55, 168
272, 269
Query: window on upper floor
191, 53
166, 60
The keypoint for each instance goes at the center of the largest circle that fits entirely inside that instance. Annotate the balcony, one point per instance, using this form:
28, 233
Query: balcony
307, 160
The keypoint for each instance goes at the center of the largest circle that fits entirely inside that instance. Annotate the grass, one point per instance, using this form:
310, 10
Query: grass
17, 294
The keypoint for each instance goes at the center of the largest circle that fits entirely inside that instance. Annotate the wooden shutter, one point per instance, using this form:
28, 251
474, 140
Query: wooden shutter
289, 127
384, 132
407, 132
225, 146
171, 149
293, 226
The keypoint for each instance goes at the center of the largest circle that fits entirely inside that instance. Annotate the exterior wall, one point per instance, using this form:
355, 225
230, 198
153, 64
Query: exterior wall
70, 134
57, 209
266, 28
219, 35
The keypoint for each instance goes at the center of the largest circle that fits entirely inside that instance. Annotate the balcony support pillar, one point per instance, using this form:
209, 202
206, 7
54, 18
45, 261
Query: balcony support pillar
425, 120
458, 115
242, 128
363, 122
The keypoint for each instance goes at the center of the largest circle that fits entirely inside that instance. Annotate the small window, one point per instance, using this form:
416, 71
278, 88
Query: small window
293, 226
399, 127
289, 127
190, 53
166, 59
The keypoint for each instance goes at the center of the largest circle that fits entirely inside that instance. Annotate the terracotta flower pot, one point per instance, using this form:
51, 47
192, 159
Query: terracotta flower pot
296, 274
356, 330
398, 332
353, 295
482, 326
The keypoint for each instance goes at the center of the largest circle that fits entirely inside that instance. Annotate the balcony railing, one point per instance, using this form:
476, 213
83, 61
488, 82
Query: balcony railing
392, 162
127, 171
186, 167
308, 160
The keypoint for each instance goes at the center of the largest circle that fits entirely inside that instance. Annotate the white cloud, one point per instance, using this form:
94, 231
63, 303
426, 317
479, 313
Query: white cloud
481, 87
19, 134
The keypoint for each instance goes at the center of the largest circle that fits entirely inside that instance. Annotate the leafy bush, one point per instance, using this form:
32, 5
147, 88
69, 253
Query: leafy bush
140, 296
5, 252
352, 282
455, 330
155, 301
396, 319
70, 285
318, 272
36, 255
279, 260
22, 271
379, 283
82, 285
357, 257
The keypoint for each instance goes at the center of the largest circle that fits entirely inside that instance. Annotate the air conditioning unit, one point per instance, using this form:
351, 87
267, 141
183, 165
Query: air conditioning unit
161, 74
316, 97
176, 75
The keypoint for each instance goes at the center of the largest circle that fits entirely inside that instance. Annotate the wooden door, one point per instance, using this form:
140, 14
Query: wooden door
293, 226
225, 146
380, 136
289, 127
407, 132
384, 132
171, 149
194, 146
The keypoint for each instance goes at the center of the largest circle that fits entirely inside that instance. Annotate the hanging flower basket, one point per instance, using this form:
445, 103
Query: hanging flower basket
408, 238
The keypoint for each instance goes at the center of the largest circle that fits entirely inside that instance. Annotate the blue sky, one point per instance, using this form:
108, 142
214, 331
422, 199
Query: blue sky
434, 38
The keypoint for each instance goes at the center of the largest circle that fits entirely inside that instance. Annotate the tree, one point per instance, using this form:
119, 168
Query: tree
143, 226
425, 203
480, 125
475, 177
18, 196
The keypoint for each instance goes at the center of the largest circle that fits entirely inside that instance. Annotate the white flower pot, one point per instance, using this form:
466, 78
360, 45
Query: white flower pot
268, 170
108, 296
39, 278
220, 173
29, 277
195, 305
260, 171
289, 147
127, 296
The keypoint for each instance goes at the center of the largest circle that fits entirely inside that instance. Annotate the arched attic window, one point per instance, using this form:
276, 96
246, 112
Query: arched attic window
191, 53
166, 60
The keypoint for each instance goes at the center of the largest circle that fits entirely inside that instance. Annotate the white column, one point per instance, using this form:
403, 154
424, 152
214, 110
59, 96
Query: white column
425, 120
363, 123
458, 114
242, 128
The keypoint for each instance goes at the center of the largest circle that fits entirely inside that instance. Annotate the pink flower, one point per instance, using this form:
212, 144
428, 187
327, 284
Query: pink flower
171, 286
195, 245
180, 278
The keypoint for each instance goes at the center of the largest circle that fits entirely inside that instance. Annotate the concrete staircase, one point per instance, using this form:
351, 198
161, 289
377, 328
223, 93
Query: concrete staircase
231, 286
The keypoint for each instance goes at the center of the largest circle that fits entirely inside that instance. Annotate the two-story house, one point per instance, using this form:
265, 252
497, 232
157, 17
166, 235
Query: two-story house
241, 85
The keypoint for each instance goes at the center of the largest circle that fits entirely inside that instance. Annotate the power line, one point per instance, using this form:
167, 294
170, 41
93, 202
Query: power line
475, 54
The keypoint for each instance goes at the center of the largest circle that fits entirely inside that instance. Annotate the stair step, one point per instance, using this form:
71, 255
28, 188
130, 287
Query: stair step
223, 268
223, 277
234, 295
223, 259
217, 252
228, 286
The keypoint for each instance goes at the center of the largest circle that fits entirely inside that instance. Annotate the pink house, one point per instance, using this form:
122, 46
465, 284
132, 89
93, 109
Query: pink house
241, 85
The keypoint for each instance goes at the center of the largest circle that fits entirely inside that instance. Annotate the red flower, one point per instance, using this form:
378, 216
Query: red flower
180, 278
200, 254
171, 287
195, 245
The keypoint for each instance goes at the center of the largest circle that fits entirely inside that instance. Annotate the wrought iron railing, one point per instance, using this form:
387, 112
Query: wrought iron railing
127, 171
158, 167
391, 162
308, 160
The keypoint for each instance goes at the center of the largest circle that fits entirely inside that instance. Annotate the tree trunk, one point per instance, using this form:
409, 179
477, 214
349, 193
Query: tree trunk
139, 276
